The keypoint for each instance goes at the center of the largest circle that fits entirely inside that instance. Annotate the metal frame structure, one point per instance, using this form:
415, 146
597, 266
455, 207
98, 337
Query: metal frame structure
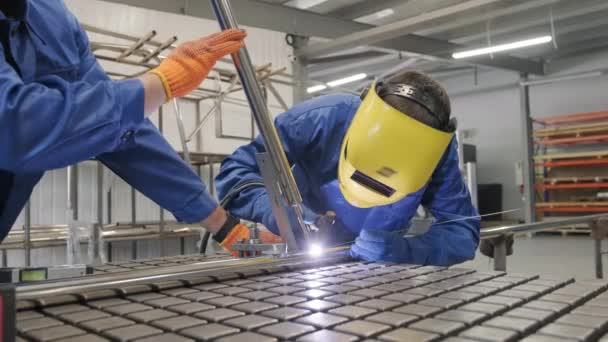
141, 54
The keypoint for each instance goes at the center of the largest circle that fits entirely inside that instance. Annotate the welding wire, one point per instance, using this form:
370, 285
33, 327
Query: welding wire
479, 216
442, 222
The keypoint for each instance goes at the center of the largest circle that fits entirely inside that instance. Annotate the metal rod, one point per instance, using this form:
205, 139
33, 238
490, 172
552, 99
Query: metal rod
102, 281
182, 131
26, 229
95, 236
246, 72
471, 169
527, 153
136, 45
161, 214
133, 222
487, 233
201, 123
599, 265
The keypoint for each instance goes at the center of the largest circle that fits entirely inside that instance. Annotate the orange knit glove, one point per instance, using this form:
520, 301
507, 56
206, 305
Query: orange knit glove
188, 65
240, 232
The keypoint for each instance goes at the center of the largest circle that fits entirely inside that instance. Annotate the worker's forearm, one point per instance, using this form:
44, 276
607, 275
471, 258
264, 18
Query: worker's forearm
154, 91
216, 220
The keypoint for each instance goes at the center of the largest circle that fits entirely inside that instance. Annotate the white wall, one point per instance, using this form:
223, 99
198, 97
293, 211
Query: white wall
495, 114
50, 196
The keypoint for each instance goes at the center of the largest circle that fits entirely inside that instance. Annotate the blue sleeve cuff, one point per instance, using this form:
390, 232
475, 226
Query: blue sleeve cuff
197, 209
132, 96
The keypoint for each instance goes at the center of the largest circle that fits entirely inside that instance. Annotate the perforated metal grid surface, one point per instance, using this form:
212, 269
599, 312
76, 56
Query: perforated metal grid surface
145, 264
345, 302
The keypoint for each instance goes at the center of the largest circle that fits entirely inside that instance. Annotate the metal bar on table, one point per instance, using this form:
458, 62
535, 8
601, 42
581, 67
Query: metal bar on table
276, 153
487, 233
527, 153
108, 281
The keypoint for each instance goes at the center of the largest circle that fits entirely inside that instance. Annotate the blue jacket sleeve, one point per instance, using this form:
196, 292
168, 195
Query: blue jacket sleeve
447, 198
304, 132
52, 123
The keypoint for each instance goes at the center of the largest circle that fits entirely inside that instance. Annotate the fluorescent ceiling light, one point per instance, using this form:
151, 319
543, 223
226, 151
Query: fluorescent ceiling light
375, 16
346, 80
316, 88
503, 47
303, 4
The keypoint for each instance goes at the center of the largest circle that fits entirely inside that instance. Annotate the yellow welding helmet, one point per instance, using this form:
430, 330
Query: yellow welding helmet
386, 154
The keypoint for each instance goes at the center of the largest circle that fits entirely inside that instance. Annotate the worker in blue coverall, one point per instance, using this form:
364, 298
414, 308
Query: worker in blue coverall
58, 107
372, 160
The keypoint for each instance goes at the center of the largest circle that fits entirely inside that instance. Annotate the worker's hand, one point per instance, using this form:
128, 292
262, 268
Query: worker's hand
379, 245
188, 65
234, 232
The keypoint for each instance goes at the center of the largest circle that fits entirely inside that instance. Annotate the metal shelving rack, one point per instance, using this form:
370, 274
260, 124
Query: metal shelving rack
140, 54
570, 181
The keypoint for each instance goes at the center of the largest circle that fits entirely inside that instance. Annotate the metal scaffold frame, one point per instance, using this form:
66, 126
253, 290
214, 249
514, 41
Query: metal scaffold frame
142, 54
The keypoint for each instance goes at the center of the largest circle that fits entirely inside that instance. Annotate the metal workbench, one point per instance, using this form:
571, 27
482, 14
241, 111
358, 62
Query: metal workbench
312, 299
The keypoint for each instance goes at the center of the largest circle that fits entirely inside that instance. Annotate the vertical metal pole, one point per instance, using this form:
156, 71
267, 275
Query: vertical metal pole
300, 71
161, 213
252, 89
182, 131
471, 169
599, 265
199, 137
211, 180
72, 182
26, 230
95, 237
528, 152
133, 222
500, 254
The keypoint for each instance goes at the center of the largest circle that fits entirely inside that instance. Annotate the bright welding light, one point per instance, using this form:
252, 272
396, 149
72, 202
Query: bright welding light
315, 250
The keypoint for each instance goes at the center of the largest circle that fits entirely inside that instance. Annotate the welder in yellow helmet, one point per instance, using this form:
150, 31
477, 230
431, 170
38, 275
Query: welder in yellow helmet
372, 160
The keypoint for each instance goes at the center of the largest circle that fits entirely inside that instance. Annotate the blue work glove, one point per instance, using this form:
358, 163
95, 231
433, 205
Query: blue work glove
380, 245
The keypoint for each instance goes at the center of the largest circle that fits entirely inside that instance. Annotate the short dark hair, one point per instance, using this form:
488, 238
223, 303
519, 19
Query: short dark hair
429, 86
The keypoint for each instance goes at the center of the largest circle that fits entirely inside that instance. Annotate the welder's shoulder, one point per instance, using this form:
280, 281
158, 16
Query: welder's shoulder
334, 105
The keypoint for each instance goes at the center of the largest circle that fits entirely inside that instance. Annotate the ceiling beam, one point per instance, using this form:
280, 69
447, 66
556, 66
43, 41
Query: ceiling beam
299, 22
368, 7
346, 57
468, 19
389, 31
527, 20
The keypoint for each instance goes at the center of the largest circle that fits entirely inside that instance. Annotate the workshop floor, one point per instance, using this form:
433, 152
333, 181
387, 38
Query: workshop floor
568, 256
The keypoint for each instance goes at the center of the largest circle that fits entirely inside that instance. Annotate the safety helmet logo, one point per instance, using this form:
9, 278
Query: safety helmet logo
390, 154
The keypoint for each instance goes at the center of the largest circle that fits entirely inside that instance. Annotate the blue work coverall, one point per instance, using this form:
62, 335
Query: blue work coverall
311, 134
58, 107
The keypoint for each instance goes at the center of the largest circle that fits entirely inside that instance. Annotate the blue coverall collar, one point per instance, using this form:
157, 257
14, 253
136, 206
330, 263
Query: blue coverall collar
22, 10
